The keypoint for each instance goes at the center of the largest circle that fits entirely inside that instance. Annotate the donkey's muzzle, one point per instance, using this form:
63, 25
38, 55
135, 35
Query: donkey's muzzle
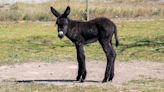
61, 35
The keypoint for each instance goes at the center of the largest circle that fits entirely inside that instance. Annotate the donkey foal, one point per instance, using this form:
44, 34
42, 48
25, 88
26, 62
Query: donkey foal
81, 33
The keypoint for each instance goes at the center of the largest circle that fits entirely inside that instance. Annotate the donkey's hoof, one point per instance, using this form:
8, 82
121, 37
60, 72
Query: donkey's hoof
110, 79
77, 78
82, 80
104, 81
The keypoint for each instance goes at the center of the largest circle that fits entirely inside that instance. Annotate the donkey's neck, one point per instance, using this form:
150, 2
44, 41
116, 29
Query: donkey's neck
74, 23
72, 29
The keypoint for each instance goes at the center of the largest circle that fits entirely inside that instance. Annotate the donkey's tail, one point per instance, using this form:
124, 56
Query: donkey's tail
116, 36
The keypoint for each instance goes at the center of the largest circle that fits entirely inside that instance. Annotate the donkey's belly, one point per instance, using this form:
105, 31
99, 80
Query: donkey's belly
90, 40
90, 34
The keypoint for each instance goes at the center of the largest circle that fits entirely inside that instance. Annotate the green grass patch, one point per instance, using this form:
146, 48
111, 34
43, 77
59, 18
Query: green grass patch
37, 41
141, 40
148, 85
33, 87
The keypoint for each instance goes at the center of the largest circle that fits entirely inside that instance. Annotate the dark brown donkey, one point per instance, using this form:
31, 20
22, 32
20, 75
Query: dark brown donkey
81, 33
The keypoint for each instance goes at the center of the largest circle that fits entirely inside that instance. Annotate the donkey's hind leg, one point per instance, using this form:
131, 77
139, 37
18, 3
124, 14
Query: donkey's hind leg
110, 55
112, 71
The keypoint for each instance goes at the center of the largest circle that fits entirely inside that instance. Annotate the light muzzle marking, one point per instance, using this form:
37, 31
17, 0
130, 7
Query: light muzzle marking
61, 33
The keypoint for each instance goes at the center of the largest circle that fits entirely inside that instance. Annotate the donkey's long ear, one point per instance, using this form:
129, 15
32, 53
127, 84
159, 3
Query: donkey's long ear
55, 12
67, 11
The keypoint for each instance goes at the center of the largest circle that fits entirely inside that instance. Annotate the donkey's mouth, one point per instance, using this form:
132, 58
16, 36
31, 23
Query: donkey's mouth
60, 36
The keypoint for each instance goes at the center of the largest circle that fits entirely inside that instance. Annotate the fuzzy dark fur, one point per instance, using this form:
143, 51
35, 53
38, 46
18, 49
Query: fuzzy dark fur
81, 33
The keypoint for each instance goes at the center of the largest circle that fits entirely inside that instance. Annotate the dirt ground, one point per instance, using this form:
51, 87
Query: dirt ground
64, 73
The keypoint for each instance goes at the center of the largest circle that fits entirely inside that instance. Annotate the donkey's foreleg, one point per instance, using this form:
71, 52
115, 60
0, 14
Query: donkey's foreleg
81, 63
110, 55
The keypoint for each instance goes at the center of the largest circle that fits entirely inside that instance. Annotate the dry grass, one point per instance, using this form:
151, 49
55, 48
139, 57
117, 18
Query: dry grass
112, 9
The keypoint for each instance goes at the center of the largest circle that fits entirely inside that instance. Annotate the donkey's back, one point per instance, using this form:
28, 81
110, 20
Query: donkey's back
98, 28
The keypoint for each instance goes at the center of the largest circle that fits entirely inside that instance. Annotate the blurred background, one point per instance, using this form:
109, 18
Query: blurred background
17, 10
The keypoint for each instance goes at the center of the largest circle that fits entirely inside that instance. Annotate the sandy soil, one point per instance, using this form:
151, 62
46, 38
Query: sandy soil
63, 73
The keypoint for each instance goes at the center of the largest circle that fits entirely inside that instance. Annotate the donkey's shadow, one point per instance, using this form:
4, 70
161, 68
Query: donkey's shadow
54, 81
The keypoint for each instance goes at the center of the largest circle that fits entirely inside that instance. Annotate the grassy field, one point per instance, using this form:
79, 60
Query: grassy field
148, 85
141, 40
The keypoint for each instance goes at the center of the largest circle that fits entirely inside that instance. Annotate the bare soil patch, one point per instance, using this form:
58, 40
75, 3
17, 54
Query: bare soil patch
64, 73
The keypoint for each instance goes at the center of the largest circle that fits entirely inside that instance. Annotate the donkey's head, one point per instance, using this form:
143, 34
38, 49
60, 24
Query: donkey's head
62, 21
